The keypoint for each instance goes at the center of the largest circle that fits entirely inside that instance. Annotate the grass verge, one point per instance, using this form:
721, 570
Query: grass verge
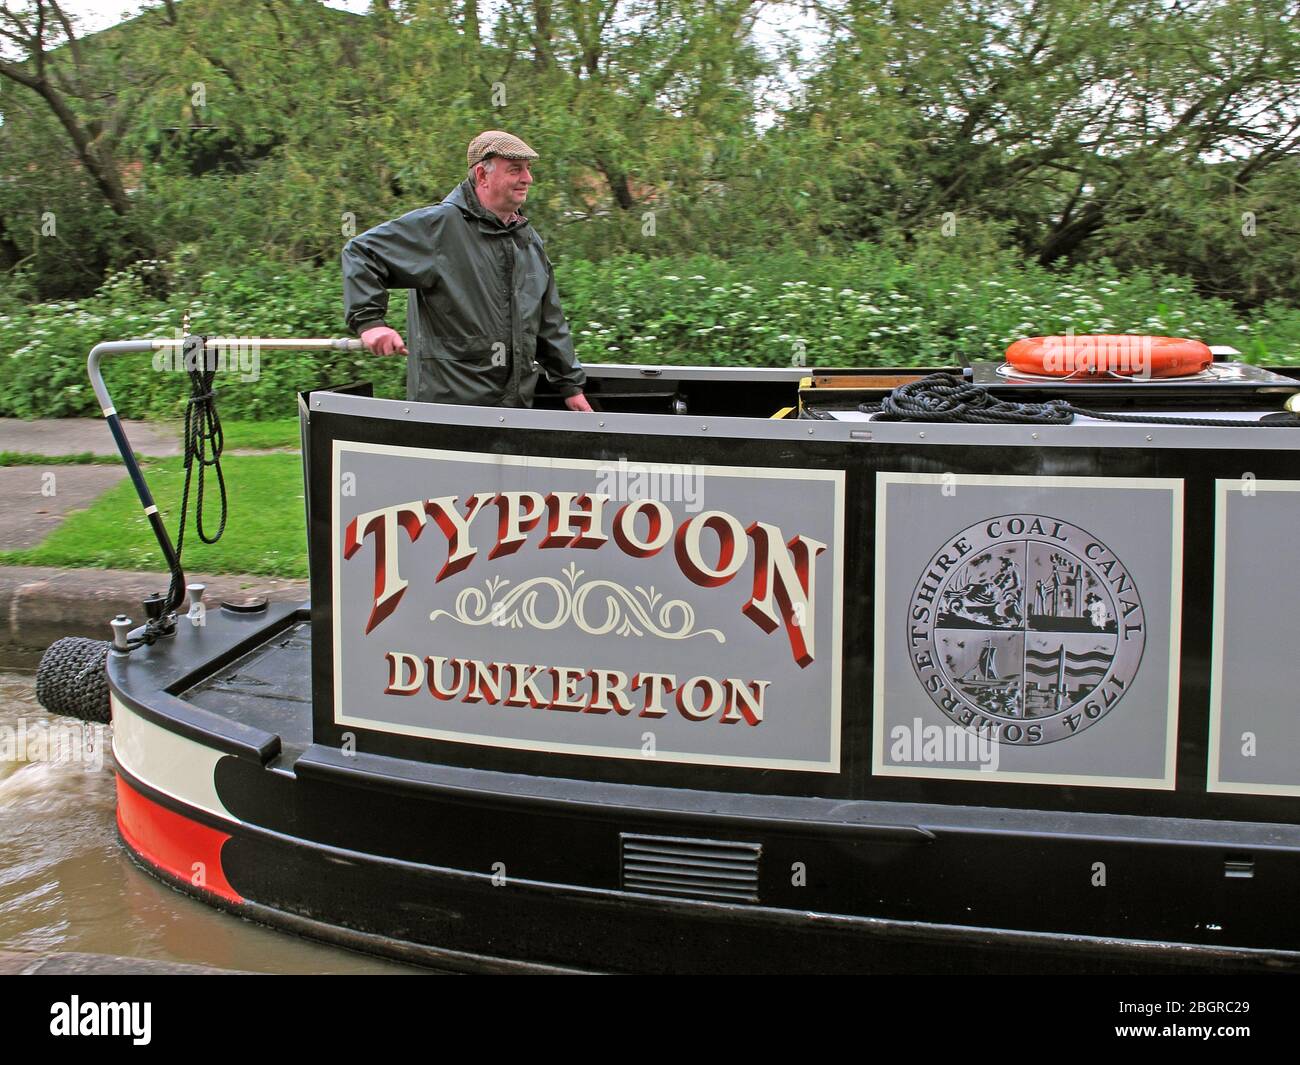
278, 432
265, 531
33, 458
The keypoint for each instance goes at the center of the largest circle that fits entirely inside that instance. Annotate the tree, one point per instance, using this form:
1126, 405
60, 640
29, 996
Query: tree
1073, 120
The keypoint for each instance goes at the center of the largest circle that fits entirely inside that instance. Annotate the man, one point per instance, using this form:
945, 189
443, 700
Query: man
484, 315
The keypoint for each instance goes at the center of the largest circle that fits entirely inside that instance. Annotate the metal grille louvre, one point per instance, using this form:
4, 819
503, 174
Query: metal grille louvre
699, 868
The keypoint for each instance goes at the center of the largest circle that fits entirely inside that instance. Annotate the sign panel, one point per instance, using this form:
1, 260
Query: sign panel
1027, 628
1254, 670
631, 610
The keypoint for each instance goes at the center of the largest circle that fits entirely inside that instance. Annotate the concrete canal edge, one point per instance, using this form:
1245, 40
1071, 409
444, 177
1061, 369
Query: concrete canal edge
40, 604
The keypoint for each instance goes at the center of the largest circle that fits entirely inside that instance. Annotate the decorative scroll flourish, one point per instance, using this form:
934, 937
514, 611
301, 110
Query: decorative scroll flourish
548, 603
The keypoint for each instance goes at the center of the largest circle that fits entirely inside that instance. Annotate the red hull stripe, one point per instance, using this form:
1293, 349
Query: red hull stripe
187, 850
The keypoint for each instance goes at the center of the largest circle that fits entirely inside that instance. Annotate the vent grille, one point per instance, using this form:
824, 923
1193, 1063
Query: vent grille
1239, 866
694, 868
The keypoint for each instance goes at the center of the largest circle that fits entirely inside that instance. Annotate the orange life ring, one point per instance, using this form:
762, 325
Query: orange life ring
1109, 354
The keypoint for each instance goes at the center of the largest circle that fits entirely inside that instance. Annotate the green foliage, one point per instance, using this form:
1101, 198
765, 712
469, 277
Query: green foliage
923, 303
43, 347
874, 306
1135, 131
32, 458
280, 433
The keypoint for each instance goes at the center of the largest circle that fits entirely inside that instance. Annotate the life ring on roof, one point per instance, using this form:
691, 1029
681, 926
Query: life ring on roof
1118, 355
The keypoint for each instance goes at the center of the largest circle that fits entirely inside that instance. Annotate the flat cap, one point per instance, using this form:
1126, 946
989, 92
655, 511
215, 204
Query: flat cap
497, 142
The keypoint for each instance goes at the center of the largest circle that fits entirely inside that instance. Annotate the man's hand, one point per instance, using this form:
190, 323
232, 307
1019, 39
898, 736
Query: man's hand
384, 341
578, 402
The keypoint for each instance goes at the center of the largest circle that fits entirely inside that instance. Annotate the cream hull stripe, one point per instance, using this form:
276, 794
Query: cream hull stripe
167, 762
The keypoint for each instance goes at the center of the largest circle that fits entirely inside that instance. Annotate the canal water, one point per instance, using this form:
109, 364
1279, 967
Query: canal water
66, 883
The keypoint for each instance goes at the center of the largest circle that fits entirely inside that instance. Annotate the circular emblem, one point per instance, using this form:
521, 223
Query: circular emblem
1026, 629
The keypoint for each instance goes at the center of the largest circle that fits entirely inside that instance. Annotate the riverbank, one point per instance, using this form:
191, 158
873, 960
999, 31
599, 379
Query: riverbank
39, 604
76, 550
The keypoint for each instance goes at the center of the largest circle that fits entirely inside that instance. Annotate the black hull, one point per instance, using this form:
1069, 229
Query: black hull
366, 902
295, 767
401, 859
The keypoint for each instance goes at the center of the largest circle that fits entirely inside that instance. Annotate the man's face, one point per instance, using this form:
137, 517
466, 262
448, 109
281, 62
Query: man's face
507, 185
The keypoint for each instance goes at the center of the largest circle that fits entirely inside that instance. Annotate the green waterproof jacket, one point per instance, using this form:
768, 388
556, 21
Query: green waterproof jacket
483, 318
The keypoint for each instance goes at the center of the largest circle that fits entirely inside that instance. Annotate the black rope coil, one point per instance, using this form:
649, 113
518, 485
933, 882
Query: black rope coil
204, 441
941, 397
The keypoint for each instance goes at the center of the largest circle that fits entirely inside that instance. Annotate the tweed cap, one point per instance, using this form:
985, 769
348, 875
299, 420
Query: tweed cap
497, 142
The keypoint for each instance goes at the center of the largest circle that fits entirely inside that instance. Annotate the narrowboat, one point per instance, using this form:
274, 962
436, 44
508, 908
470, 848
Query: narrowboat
978, 668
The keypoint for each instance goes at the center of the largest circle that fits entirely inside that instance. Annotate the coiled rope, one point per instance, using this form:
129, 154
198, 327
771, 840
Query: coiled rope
941, 397
202, 434
204, 441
